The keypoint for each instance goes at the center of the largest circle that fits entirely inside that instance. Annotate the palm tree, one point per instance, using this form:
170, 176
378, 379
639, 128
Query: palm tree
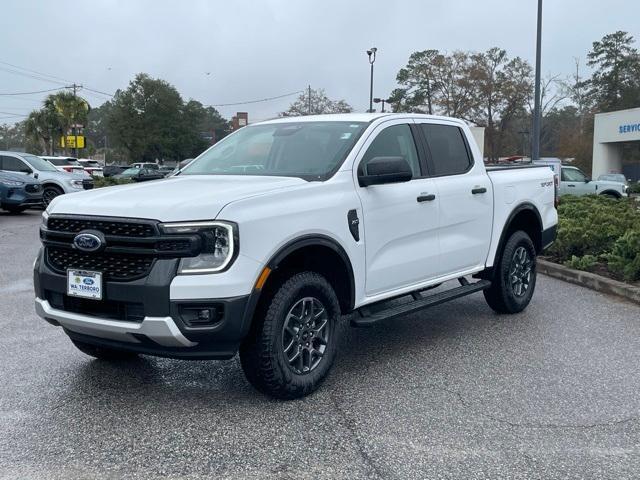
59, 112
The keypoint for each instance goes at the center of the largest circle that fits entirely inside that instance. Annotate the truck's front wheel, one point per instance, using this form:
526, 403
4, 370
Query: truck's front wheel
290, 351
515, 275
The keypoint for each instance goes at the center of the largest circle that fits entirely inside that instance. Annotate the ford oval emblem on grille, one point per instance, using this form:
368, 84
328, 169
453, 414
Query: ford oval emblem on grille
87, 242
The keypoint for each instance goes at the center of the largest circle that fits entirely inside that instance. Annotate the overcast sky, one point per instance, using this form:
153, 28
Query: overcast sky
256, 49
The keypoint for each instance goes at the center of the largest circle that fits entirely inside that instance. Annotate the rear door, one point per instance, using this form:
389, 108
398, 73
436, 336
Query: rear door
465, 197
400, 219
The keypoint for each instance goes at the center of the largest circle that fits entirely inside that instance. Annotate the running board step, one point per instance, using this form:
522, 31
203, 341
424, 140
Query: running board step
363, 318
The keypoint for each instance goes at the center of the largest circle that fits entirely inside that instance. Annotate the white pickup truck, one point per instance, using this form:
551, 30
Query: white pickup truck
269, 238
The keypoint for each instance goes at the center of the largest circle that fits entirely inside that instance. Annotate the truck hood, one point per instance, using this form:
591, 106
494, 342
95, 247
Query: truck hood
180, 198
18, 177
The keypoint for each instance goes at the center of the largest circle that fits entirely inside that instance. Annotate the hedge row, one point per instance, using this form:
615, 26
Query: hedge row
599, 232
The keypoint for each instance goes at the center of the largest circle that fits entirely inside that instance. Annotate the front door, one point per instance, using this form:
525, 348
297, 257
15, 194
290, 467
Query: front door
574, 182
400, 219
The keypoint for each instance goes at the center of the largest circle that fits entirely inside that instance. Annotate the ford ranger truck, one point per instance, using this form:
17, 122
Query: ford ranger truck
265, 242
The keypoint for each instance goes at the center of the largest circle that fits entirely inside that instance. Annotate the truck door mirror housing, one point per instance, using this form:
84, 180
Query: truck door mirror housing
381, 170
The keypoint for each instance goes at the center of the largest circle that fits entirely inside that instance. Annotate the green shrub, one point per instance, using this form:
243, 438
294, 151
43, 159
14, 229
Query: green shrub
625, 255
634, 187
99, 182
590, 225
588, 262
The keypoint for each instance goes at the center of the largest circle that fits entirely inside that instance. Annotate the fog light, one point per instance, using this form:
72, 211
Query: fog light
201, 315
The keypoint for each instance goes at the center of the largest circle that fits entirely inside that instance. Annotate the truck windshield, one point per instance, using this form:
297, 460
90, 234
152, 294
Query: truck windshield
309, 150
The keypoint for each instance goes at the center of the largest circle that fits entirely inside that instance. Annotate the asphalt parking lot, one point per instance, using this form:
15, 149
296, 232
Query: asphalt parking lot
453, 392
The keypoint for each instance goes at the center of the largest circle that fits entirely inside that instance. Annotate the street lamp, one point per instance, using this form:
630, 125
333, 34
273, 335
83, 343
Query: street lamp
535, 141
371, 53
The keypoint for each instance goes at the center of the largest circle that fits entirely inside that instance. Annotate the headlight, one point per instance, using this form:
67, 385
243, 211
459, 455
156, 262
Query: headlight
45, 218
11, 183
76, 183
220, 245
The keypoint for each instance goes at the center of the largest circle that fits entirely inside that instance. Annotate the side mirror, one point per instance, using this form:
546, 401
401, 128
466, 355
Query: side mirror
381, 170
587, 180
26, 171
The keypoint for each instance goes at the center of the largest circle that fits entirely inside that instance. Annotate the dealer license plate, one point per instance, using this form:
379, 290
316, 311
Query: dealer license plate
85, 284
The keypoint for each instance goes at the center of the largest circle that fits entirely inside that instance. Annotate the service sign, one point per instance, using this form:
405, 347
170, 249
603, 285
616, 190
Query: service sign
72, 141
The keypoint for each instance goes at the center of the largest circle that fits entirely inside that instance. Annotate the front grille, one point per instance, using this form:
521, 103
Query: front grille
87, 184
114, 310
123, 229
114, 266
32, 187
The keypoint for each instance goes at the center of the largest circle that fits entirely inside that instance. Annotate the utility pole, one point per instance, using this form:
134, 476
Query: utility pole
309, 94
535, 147
75, 87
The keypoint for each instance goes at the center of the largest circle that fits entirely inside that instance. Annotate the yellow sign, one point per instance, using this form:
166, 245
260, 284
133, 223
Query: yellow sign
72, 141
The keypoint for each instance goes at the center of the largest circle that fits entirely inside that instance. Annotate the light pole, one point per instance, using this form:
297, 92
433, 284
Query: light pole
535, 141
371, 53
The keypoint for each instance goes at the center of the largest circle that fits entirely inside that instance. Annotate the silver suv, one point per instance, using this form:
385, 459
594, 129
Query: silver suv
54, 182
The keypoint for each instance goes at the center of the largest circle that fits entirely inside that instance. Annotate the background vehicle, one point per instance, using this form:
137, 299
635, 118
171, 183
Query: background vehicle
54, 182
148, 165
111, 170
166, 170
92, 167
66, 164
263, 242
574, 182
140, 174
614, 177
17, 192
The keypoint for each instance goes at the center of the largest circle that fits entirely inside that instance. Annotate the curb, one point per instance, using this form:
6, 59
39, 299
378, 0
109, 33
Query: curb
590, 280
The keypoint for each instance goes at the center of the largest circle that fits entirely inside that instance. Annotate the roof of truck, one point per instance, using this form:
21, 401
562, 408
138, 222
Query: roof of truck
355, 117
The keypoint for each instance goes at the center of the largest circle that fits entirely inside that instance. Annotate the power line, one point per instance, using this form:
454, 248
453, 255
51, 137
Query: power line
30, 93
255, 101
36, 72
14, 114
29, 75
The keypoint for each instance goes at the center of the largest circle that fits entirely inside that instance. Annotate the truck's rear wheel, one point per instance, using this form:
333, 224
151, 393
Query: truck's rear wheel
515, 275
102, 352
290, 351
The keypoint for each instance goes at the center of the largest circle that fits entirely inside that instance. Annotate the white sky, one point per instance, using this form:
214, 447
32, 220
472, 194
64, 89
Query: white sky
262, 48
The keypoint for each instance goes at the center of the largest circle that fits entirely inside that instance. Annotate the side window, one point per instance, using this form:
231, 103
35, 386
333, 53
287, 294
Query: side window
449, 152
572, 175
395, 141
13, 164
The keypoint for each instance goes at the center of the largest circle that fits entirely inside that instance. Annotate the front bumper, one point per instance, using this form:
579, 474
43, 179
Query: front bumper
147, 320
19, 197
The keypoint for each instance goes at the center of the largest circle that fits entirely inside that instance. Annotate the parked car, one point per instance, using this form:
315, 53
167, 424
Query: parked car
574, 182
111, 170
66, 164
147, 165
18, 192
166, 170
92, 167
54, 182
341, 214
140, 174
614, 177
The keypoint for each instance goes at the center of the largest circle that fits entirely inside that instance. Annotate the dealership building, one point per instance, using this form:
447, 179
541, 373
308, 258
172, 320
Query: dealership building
613, 131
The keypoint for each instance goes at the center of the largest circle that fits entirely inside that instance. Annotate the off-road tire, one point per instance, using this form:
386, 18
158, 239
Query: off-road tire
262, 354
501, 296
103, 353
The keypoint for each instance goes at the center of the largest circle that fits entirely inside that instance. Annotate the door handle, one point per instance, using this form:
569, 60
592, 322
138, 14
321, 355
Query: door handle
478, 190
571, 186
426, 198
